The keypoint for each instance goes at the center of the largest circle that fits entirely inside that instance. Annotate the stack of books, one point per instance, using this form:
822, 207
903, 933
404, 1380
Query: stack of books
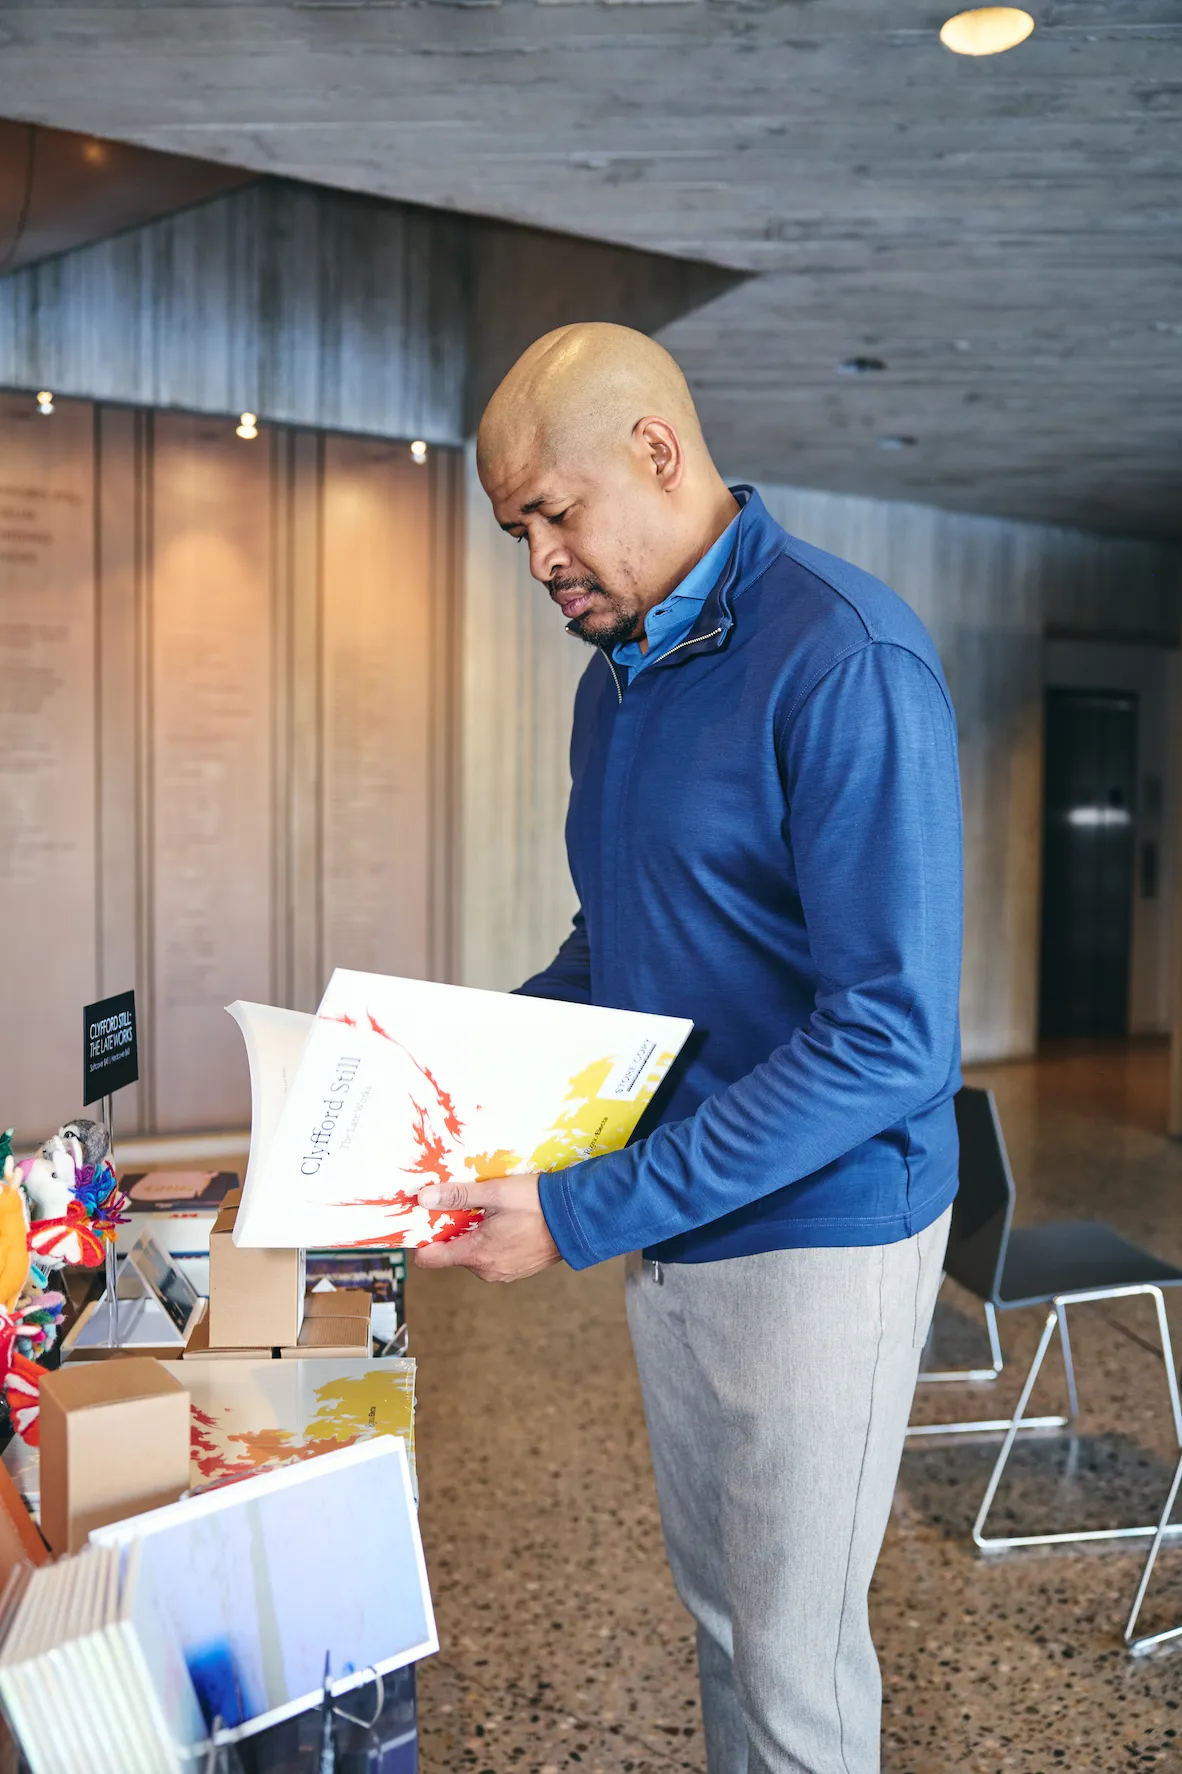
216, 1617
91, 1674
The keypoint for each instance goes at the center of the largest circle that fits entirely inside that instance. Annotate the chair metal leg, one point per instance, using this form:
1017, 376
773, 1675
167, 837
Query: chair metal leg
1014, 1425
1139, 1645
1057, 1320
980, 1376
1167, 1353
963, 1375
1068, 1364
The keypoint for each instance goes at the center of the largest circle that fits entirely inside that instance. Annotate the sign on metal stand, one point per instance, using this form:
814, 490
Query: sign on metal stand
110, 1061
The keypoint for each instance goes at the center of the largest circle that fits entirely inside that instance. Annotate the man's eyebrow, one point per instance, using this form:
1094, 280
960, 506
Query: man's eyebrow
528, 509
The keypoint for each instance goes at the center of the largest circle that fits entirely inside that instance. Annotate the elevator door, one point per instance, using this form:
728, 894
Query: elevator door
1091, 762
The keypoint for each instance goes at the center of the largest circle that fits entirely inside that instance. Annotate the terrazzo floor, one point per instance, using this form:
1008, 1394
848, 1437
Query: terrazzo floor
563, 1644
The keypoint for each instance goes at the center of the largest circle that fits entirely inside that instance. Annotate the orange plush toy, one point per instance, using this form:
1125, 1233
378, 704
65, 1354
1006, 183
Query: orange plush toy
14, 1229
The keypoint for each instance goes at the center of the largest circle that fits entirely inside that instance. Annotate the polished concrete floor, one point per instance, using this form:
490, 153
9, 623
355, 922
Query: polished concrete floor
563, 1644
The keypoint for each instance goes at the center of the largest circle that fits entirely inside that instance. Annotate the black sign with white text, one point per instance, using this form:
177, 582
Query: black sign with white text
110, 1058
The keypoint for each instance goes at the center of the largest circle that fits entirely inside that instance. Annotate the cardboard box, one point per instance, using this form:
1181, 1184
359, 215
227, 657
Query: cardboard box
338, 1302
334, 1324
256, 1297
114, 1441
197, 1348
344, 1335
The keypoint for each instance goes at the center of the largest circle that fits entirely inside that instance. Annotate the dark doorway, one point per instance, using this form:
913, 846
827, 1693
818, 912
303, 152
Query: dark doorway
1088, 849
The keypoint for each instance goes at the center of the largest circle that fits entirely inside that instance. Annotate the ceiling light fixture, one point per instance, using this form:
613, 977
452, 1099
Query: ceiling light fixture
986, 30
860, 366
247, 426
45, 401
897, 441
418, 451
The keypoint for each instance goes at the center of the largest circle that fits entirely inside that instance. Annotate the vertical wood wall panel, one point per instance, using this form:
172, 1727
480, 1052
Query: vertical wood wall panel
520, 672
377, 709
47, 763
120, 466
298, 506
212, 735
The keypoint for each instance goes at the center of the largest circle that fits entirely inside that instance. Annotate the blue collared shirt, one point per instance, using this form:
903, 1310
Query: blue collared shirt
676, 614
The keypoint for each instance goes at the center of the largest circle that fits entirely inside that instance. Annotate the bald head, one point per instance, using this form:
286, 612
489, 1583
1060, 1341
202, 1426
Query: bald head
580, 390
591, 451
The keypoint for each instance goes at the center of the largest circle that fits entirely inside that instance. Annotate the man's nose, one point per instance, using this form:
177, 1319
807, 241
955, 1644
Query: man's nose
547, 555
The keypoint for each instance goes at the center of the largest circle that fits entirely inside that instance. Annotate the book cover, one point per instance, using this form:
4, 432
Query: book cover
395, 1083
250, 1416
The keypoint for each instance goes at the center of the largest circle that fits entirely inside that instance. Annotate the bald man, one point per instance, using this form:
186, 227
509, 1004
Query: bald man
764, 832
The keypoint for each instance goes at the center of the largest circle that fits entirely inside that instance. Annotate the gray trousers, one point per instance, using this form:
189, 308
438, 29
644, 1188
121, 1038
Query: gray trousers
777, 1390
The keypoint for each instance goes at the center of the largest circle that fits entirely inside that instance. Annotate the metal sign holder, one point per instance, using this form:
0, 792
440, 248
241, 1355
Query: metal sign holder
114, 1338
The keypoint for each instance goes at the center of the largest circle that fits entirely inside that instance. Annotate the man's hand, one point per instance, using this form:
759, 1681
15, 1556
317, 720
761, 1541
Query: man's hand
511, 1242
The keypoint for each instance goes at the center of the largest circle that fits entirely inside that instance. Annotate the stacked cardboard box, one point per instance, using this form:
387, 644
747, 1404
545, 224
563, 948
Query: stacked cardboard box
259, 1305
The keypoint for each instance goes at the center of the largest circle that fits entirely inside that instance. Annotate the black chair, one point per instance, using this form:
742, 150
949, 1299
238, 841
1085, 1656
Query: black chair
1072, 1263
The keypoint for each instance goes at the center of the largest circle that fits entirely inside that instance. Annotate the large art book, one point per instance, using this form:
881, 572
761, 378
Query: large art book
396, 1083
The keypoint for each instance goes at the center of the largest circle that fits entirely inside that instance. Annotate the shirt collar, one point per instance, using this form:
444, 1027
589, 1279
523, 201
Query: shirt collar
675, 613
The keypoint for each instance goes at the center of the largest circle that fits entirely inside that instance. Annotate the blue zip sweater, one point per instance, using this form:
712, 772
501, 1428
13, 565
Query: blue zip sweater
764, 834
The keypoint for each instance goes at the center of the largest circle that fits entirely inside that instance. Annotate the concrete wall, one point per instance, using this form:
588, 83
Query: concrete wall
989, 590
324, 308
305, 306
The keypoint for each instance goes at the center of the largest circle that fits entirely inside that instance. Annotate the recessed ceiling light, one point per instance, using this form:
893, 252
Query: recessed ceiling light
896, 441
860, 366
247, 426
45, 401
95, 153
418, 451
986, 30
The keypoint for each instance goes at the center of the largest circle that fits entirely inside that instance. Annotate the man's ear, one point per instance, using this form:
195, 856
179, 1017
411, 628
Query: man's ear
661, 446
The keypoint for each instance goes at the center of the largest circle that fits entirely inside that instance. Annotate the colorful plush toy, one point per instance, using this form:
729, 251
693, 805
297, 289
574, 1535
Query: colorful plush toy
14, 1228
61, 1206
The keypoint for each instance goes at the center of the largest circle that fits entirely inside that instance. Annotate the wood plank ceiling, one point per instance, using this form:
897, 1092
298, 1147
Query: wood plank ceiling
1003, 235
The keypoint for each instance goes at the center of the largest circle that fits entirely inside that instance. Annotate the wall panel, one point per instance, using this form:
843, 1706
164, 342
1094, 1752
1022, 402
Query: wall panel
47, 760
211, 691
520, 672
377, 709
122, 439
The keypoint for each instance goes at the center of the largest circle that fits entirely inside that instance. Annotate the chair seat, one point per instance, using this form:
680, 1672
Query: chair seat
1075, 1256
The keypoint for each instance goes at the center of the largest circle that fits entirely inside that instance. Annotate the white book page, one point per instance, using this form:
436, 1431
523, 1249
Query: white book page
275, 1041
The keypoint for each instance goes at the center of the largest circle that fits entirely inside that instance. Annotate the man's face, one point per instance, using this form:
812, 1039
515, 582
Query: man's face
589, 535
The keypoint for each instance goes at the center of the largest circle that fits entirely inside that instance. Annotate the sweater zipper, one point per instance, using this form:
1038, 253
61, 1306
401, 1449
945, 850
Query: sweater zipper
615, 679
691, 642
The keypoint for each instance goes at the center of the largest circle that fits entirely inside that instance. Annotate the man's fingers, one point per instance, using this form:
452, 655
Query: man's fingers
450, 1196
464, 1252
494, 1192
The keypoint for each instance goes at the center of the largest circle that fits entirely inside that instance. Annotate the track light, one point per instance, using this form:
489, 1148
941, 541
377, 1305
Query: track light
248, 425
418, 451
45, 401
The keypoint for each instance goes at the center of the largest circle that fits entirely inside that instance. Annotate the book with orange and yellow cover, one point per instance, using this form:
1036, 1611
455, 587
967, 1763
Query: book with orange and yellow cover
396, 1083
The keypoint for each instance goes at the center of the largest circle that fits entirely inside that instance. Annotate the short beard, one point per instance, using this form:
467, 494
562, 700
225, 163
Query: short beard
618, 624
